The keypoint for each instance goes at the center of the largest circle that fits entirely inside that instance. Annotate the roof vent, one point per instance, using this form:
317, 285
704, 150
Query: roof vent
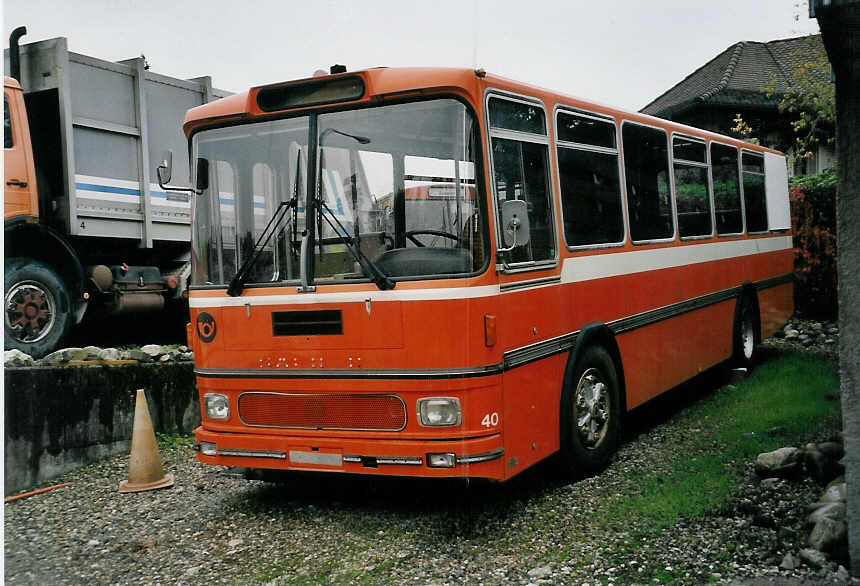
337, 69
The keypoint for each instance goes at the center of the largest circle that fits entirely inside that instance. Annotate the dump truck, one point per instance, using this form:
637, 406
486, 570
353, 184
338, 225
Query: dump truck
87, 228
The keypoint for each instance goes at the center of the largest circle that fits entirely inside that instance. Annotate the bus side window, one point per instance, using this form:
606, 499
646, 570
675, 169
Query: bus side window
727, 195
692, 193
753, 185
520, 163
646, 168
589, 180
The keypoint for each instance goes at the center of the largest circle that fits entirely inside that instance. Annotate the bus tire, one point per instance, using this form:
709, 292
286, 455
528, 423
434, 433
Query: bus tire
746, 336
37, 309
590, 413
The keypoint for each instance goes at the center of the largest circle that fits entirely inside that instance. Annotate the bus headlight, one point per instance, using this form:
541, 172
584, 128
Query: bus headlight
439, 411
217, 406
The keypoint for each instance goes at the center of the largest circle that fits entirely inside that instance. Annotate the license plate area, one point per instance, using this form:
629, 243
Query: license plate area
316, 458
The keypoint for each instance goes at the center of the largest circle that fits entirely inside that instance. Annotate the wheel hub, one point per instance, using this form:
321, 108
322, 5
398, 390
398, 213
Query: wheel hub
29, 311
747, 338
592, 408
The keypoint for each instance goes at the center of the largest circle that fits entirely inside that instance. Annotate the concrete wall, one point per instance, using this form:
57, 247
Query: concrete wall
60, 419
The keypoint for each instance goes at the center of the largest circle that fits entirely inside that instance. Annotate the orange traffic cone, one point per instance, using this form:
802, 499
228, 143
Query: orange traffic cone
144, 466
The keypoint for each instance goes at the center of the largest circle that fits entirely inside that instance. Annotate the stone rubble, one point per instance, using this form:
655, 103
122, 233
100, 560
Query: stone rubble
148, 353
781, 463
818, 337
828, 538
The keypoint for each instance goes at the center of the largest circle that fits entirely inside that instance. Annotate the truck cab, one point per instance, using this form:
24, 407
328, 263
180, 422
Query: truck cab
43, 278
21, 195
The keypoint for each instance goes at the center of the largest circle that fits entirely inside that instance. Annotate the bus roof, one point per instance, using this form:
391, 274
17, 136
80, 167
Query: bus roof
385, 82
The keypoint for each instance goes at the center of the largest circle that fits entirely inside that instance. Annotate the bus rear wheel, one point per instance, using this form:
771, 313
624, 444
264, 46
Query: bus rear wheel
590, 413
746, 333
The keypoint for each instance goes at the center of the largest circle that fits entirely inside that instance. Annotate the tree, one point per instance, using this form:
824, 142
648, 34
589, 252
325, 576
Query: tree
840, 27
809, 99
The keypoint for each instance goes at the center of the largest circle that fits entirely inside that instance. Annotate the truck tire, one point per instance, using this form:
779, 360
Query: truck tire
37, 309
590, 413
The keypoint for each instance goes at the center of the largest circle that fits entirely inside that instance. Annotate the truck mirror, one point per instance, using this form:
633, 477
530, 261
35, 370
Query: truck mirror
515, 223
165, 169
202, 174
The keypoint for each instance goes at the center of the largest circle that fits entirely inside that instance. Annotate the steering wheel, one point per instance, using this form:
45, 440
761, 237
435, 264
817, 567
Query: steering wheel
413, 233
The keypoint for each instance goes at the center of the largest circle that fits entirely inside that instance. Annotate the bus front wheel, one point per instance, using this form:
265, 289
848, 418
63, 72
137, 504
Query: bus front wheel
590, 412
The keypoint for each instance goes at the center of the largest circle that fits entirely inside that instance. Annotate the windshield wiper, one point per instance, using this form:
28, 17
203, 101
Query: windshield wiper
371, 270
237, 283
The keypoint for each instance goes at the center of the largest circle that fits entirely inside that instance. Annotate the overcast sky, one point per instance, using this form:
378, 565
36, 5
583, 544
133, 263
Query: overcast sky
618, 52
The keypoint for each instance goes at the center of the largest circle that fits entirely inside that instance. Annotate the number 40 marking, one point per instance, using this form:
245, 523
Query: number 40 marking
490, 419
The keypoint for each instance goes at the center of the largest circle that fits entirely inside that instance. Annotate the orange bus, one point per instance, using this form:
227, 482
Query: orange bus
440, 272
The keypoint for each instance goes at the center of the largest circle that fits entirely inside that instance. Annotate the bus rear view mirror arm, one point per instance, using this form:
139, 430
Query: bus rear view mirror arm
515, 224
165, 173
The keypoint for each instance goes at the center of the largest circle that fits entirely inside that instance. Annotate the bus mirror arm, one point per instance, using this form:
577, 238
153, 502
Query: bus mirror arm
164, 171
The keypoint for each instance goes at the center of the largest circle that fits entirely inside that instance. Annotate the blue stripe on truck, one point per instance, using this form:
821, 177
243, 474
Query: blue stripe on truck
129, 191
119, 190
107, 189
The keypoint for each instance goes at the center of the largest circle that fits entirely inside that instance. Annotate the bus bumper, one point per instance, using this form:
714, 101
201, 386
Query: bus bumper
474, 457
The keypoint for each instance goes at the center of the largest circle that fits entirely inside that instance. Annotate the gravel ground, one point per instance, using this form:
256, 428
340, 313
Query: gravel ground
215, 528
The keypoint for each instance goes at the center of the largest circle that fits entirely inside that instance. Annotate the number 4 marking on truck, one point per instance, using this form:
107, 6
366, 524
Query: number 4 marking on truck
83, 226
490, 419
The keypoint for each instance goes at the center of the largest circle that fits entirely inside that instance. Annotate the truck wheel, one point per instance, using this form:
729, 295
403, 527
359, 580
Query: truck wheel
746, 333
590, 413
37, 307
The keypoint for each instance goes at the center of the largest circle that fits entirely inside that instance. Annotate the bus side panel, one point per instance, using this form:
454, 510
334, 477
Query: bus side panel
705, 340
532, 315
648, 355
776, 305
532, 395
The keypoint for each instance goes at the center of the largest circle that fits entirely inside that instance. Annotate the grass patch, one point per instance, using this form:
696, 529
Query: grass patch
692, 488
173, 442
780, 403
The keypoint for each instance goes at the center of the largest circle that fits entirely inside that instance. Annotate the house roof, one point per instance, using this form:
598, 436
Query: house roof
735, 77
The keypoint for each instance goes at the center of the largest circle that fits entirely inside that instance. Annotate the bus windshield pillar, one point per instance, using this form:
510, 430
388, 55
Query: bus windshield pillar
399, 200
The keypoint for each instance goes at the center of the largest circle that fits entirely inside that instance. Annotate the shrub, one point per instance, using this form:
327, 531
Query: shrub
813, 220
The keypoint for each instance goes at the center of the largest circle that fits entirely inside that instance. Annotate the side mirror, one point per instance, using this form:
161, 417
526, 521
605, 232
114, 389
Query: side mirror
165, 173
515, 224
202, 182
165, 169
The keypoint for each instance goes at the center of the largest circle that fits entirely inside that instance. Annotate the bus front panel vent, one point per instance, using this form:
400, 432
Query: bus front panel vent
323, 322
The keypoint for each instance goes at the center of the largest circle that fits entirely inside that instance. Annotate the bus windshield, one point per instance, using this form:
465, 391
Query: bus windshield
394, 184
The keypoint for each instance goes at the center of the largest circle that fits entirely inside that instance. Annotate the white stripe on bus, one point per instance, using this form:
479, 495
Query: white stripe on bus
601, 266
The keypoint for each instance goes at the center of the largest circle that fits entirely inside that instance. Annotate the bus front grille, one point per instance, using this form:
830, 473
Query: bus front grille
312, 411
